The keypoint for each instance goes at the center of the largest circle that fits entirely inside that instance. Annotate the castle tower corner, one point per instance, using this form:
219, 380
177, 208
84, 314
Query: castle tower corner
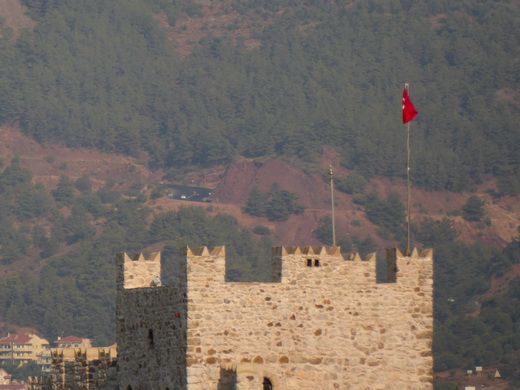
205, 265
138, 272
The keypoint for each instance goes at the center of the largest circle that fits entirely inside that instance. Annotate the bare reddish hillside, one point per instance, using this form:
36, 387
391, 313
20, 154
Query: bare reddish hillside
48, 162
219, 20
232, 185
243, 175
15, 18
314, 193
503, 212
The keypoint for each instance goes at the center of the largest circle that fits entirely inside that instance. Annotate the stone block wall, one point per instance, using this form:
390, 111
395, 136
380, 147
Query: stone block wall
323, 323
150, 327
138, 272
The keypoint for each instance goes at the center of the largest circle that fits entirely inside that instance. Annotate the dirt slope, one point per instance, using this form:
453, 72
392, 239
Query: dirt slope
48, 162
15, 18
232, 185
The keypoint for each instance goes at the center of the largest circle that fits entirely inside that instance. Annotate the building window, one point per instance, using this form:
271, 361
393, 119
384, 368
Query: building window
150, 337
267, 384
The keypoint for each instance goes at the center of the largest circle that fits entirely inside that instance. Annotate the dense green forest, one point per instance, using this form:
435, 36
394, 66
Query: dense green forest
276, 204
103, 74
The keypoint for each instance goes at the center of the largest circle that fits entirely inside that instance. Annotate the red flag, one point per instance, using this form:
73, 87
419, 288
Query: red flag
409, 111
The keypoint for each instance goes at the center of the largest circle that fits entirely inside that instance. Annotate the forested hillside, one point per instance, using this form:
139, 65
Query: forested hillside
196, 84
103, 74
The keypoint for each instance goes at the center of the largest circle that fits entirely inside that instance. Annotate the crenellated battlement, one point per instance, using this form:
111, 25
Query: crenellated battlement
208, 264
334, 251
425, 253
203, 251
409, 269
138, 271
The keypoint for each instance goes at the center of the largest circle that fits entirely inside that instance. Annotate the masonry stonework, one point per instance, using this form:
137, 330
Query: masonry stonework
323, 323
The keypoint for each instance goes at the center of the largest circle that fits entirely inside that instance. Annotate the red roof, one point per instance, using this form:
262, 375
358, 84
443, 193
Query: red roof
16, 338
69, 339
14, 386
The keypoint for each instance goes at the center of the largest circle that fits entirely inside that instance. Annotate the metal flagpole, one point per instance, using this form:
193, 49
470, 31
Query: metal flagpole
408, 208
332, 206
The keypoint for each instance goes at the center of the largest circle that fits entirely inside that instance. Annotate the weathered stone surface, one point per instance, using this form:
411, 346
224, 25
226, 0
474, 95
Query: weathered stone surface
323, 322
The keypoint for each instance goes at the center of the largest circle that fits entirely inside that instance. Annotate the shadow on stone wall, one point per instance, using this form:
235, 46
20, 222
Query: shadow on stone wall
228, 379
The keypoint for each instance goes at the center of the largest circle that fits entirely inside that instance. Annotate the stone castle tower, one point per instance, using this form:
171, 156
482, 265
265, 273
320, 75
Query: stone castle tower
324, 322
